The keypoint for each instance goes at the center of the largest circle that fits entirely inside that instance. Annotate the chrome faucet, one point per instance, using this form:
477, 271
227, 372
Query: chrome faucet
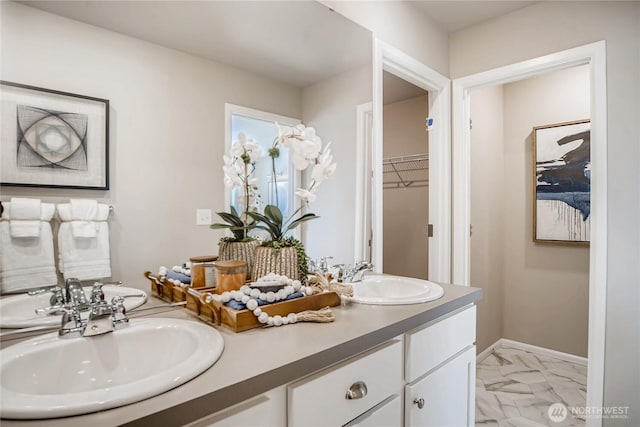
72, 295
103, 318
357, 272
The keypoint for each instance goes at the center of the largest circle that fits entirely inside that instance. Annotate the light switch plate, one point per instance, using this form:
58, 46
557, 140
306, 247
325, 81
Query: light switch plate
203, 217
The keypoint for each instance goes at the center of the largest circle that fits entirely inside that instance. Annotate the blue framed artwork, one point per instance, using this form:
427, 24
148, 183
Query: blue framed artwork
53, 139
562, 183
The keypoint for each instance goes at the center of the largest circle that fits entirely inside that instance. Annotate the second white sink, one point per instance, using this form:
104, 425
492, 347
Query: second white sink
395, 290
18, 311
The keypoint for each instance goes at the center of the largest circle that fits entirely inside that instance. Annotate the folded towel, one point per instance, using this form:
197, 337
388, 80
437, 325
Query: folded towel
64, 211
26, 263
25, 217
183, 278
46, 211
83, 214
84, 210
86, 259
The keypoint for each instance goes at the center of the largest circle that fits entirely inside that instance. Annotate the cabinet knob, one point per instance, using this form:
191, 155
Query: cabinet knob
419, 402
358, 390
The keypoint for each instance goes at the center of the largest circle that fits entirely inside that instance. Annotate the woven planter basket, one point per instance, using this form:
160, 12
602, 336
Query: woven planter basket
268, 260
241, 251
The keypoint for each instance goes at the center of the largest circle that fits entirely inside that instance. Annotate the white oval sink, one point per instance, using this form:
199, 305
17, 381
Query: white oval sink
18, 311
50, 377
395, 290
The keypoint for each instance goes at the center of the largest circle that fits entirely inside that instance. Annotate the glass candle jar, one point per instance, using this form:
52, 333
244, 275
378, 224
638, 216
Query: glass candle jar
230, 275
203, 271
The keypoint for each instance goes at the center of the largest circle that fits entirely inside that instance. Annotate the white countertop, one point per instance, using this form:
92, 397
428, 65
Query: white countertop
258, 360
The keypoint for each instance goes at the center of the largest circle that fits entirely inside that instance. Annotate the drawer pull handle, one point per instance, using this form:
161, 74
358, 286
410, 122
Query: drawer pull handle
419, 402
358, 390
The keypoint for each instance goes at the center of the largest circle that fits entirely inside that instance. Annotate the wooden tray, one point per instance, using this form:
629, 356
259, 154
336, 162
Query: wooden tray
242, 320
164, 289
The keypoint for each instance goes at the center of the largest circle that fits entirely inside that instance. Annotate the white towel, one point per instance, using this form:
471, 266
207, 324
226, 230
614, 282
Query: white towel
85, 259
26, 263
64, 211
83, 214
25, 217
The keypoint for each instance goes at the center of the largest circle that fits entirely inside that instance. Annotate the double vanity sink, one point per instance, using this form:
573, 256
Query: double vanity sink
49, 377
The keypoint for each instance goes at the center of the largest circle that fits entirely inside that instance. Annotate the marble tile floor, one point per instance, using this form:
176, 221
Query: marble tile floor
514, 388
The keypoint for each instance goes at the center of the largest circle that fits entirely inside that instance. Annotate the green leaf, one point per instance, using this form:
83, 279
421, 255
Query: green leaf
275, 231
230, 218
220, 226
273, 213
303, 218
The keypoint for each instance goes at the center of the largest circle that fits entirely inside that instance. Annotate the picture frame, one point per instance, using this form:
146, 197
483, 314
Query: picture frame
562, 183
53, 139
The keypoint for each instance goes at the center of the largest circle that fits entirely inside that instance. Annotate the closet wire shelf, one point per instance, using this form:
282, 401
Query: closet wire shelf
406, 171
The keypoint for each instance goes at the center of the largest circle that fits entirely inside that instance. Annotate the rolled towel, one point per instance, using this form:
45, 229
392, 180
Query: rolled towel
25, 217
64, 211
46, 211
183, 278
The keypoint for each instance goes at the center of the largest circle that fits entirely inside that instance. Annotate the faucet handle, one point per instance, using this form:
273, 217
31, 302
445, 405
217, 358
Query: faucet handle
119, 312
50, 311
70, 313
57, 297
97, 294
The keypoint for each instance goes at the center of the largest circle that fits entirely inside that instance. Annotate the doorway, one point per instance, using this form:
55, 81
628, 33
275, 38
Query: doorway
405, 178
595, 56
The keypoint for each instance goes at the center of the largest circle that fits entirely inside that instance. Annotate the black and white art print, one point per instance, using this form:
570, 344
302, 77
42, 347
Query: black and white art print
53, 139
562, 184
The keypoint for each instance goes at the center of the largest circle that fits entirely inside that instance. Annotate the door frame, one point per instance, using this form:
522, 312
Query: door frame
391, 59
593, 54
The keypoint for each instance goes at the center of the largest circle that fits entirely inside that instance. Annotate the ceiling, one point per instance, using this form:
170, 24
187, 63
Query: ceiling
395, 89
454, 15
298, 42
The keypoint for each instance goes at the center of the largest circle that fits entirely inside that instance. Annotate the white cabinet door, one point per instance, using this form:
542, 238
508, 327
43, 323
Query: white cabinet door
446, 396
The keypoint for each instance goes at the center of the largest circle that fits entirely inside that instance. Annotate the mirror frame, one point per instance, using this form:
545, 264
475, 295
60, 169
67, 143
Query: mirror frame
388, 58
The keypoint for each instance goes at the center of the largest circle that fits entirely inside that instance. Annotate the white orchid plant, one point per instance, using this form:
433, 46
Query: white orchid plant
238, 168
305, 148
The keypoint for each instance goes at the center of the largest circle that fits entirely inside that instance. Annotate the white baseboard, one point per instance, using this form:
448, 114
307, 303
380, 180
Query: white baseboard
502, 342
487, 351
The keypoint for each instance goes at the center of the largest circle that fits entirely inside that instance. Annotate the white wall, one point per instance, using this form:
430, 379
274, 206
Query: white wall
167, 129
548, 27
402, 25
406, 210
488, 210
330, 107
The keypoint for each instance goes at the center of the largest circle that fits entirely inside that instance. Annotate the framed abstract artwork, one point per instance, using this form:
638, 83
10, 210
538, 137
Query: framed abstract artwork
562, 183
53, 139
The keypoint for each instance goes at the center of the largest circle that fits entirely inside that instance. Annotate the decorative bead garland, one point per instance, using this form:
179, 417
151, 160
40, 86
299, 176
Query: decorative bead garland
249, 297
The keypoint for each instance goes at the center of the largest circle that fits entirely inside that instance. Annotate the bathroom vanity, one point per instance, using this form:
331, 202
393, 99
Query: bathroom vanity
375, 365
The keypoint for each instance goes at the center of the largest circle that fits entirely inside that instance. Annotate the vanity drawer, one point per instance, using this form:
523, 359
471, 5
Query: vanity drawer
321, 399
434, 343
